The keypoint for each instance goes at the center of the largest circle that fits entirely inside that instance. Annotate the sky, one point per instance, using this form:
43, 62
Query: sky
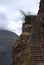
10, 15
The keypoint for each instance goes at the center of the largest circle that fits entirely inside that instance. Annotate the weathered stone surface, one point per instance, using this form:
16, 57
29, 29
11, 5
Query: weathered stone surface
41, 7
37, 38
30, 46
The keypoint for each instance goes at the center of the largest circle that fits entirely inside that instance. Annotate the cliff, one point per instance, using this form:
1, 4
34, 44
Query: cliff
21, 50
29, 48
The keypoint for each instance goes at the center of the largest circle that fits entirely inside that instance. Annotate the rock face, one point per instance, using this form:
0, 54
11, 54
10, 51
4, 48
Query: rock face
29, 49
37, 38
41, 7
21, 50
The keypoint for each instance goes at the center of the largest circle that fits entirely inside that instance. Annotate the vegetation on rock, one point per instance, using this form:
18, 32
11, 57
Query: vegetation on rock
21, 50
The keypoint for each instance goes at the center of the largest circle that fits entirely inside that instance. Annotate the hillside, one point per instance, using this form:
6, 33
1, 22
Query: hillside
7, 40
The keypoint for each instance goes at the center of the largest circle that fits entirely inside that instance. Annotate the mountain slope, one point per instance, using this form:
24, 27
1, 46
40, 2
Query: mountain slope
7, 40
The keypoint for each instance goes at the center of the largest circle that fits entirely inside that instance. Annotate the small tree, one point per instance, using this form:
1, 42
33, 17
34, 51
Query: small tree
27, 17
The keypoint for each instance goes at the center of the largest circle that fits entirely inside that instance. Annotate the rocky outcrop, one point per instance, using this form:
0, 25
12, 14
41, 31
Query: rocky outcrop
41, 7
29, 49
21, 50
37, 39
